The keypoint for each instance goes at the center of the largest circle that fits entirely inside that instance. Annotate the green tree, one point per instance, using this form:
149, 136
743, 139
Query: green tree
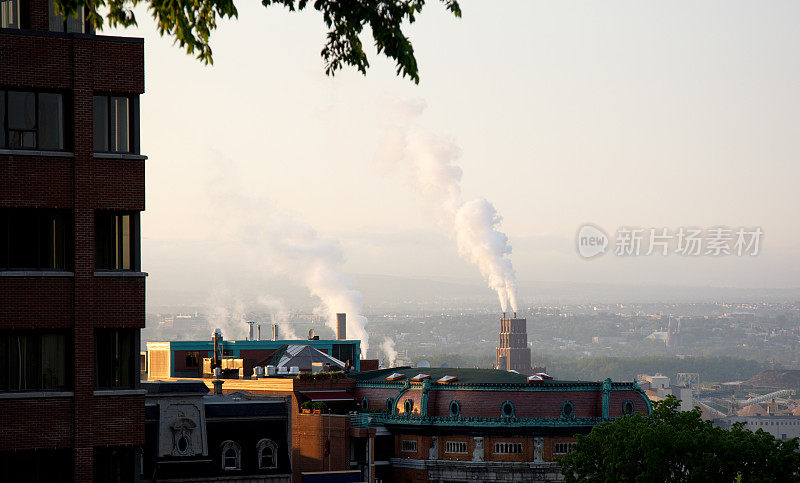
191, 22
673, 446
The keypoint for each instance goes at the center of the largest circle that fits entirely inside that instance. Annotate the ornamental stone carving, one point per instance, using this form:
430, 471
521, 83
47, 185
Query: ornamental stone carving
477, 455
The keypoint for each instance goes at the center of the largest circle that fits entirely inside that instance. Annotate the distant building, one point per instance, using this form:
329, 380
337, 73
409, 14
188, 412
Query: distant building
657, 388
782, 427
513, 353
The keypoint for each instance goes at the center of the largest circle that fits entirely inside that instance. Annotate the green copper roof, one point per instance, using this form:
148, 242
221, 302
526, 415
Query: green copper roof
470, 376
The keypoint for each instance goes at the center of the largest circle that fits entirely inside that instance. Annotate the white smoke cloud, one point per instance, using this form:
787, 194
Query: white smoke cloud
226, 312
278, 314
474, 223
388, 349
273, 242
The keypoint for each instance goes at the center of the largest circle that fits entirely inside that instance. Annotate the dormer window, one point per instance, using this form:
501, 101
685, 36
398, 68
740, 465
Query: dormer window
267, 454
231, 456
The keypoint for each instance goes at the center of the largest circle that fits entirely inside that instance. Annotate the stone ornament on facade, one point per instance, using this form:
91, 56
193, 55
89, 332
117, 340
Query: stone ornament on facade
477, 455
538, 450
433, 454
182, 430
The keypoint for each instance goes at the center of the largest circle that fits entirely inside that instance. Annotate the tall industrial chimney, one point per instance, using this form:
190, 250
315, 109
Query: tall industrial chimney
252, 325
341, 326
275, 332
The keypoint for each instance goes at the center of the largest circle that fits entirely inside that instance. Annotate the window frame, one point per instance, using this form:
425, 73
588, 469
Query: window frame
40, 216
456, 447
17, 9
135, 240
230, 445
509, 447
133, 122
507, 404
100, 336
567, 410
87, 27
37, 358
263, 445
455, 413
65, 120
408, 446
563, 447
628, 404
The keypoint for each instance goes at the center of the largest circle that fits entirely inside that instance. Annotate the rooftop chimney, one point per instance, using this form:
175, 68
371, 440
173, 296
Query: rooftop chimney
275, 332
341, 326
252, 325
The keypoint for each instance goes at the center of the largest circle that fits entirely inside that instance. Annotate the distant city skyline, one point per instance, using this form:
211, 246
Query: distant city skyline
627, 114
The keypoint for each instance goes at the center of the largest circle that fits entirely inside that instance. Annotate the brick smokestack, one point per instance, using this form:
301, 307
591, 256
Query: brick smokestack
341, 326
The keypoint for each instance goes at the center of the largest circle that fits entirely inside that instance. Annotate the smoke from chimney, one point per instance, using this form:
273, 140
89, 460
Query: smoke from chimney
276, 243
388, 348
474, 223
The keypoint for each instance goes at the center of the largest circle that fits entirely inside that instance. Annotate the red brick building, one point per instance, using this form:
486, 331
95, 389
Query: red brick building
71, 289
481, 425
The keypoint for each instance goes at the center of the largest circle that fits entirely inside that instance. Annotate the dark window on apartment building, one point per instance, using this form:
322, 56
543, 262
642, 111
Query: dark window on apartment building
39, 466
115, 465
116, 240
73, 24
31, 120
193, 359
35, 239
34, 361
116, 358
344, 352
116, 124
10, 14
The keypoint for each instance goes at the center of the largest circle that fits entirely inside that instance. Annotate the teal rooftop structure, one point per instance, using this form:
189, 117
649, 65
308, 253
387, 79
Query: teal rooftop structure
184, 358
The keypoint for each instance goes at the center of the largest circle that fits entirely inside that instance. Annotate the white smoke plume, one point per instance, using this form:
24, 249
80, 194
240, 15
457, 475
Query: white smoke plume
278, 314
388, 349
274, 242
226, 312
475, 223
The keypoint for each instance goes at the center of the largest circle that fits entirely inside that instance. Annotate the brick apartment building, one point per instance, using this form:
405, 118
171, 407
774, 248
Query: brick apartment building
71, 290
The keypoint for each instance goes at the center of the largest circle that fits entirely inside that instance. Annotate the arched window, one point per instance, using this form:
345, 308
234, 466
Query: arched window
390, 405
365, 403
627, 407
231, 456
408, 406
455, 409
567, 410
267, 454
507, 409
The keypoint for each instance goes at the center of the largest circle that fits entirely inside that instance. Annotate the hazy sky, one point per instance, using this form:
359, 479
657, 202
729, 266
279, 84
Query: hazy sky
615, 113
